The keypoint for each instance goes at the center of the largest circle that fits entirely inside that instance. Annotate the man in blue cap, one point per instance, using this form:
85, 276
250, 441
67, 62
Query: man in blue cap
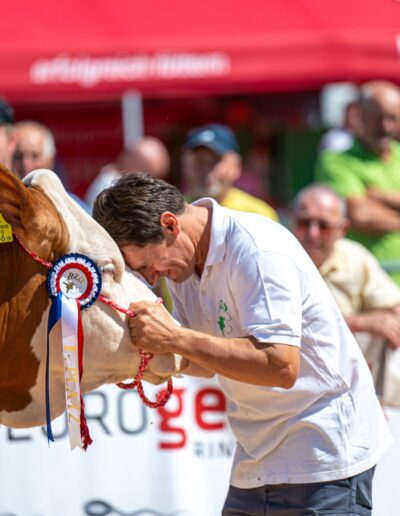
211, 164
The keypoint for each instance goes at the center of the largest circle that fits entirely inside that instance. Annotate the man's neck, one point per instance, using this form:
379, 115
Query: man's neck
381, 152
198, 229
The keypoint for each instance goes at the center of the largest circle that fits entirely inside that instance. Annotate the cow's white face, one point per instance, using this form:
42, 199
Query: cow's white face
108, 353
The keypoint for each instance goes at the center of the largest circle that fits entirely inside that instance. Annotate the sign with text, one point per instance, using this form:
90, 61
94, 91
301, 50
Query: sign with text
171, 461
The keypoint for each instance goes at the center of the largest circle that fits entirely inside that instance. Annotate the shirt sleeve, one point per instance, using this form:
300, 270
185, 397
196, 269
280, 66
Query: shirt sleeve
379, 290
339, 172
267, 288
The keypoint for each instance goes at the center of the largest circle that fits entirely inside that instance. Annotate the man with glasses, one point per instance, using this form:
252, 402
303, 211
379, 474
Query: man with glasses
368, 298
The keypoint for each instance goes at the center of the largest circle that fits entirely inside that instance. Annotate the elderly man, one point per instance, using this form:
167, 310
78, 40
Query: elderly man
8, 140
366, 295
36, 148
367, 174
211, 164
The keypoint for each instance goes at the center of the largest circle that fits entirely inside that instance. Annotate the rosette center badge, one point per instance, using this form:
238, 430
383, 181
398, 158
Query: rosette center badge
77, 277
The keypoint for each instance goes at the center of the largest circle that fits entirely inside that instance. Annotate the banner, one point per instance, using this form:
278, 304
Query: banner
172, 461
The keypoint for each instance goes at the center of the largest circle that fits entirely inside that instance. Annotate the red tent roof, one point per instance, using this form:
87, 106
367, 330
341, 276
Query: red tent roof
92, 49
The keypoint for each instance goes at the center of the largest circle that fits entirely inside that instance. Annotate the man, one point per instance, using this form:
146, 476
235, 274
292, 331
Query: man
211, 164
7, 134
339, 139
255, 311
36, 149
367, 297
147, 154
367, 175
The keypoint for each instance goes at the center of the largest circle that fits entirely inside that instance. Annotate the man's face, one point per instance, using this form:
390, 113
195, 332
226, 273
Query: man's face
381, 121
199, 167
30, 151
318, 223
7, 146
171, 260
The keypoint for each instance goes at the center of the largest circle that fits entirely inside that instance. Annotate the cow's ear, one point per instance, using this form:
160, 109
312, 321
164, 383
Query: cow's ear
16, 201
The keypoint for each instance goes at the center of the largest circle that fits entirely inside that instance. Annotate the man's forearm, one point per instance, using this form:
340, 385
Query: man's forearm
372, 217
241, 359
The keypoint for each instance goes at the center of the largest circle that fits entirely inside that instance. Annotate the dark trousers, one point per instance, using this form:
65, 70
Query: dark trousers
349, 496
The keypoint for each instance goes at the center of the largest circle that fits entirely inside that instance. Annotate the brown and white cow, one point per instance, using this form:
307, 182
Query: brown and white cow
49, 223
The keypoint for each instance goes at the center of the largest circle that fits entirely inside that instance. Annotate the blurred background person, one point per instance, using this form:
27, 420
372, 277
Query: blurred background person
8, 139
147, 154
211, 164
368, 174
340, 139
368, 298
36, 149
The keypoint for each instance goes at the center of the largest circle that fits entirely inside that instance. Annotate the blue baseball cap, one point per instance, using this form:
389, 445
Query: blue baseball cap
216, 137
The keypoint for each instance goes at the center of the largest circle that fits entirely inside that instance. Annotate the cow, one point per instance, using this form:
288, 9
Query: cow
49, 223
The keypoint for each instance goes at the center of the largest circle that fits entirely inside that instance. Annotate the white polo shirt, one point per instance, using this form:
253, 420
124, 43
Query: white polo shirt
259, 281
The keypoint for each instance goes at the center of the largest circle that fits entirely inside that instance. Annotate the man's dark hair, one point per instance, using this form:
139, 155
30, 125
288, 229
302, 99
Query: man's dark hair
131, 208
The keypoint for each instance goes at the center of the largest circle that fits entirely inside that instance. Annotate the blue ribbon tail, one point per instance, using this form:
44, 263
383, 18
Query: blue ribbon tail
54, 317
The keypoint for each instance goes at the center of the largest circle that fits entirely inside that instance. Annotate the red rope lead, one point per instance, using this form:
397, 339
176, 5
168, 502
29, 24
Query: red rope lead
45, 263
145, 359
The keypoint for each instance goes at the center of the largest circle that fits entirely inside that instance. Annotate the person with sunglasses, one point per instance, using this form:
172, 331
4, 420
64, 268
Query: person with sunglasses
368, 297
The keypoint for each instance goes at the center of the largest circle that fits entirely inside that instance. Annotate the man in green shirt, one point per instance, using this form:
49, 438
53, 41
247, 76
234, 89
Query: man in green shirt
368, 174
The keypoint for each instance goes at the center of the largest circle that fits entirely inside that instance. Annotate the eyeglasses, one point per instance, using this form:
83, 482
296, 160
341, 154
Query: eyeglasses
323, 225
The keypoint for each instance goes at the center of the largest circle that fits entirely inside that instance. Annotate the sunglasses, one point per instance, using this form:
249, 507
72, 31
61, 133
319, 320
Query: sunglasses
323, 225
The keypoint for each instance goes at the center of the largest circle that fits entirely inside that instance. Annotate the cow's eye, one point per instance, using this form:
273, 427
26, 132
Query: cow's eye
108, 268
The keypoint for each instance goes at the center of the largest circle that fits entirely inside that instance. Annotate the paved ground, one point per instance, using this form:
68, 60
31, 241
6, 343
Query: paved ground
387, 477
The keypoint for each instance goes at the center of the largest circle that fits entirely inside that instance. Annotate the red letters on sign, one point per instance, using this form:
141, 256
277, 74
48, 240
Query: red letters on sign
203, 405
167, 414
209, 414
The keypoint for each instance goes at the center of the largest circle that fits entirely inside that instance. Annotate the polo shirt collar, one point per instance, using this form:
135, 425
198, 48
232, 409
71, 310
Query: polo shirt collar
333, 262
217, 245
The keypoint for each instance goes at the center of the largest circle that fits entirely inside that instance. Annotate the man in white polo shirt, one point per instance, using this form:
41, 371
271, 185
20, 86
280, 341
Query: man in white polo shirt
255, 311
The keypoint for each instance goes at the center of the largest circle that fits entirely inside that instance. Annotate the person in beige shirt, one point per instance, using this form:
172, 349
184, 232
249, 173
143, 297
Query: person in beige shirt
367, 297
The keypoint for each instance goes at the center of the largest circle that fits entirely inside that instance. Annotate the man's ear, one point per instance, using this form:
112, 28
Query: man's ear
345, 226
169, 223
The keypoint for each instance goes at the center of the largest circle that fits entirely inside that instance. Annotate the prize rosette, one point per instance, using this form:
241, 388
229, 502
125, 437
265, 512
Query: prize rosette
73, 283
77, 277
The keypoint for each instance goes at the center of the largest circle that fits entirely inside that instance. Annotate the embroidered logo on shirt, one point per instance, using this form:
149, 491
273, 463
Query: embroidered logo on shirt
224, 318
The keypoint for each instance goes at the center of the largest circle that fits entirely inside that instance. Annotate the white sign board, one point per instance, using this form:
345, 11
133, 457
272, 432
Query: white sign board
172, 461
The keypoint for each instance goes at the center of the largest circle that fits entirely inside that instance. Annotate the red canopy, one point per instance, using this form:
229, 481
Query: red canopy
97, 49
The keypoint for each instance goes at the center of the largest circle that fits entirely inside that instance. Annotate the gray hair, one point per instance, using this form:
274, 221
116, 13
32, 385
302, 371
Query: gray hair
323, 190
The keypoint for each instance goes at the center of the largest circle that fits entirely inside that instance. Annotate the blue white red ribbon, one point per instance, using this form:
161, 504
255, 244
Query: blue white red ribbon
74, 282
65, 318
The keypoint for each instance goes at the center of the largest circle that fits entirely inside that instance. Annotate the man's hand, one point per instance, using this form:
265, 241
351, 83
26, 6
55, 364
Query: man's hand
152, 328
381, 323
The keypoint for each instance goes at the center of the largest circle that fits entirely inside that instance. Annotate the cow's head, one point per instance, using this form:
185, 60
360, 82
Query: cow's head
49, 223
